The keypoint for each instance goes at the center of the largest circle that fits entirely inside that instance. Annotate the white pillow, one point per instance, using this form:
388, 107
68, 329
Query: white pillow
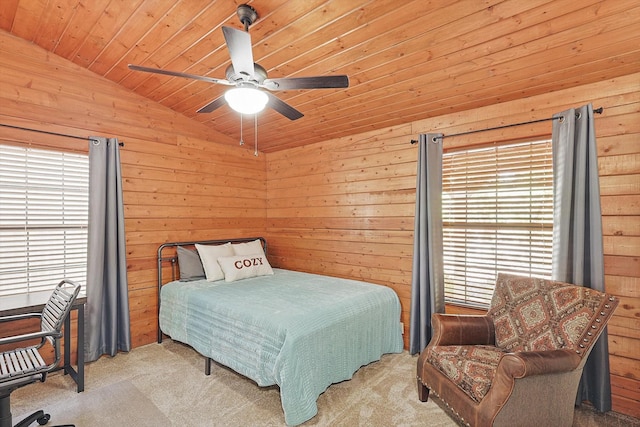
249, 248
244, 266
209, 255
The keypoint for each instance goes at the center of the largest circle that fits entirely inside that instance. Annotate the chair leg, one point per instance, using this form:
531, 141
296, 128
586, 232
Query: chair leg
38, 416
41, 418
423, 392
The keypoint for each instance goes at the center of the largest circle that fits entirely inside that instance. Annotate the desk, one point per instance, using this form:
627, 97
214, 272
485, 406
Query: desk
34, 302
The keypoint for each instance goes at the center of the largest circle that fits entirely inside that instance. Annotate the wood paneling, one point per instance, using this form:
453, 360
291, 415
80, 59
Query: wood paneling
406, 61
344, 207
180, 182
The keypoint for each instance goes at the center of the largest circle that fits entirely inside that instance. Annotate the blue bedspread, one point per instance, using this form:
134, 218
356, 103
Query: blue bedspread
300, 331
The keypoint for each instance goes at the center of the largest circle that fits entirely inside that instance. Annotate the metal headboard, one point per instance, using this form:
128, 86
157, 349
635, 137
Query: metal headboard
174, 259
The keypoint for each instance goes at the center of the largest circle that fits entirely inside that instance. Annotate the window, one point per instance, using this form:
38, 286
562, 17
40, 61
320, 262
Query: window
497, 207
44, 198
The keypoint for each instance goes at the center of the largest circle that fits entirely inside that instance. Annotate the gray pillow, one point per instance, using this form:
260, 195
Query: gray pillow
189, 264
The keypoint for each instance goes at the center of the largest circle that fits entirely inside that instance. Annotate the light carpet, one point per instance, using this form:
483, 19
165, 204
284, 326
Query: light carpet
164, 385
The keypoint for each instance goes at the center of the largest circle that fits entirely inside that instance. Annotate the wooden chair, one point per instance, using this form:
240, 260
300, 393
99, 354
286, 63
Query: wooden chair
521, 363
25, 365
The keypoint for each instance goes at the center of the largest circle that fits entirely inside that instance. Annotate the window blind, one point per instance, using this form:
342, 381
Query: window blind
44, 198
497, 207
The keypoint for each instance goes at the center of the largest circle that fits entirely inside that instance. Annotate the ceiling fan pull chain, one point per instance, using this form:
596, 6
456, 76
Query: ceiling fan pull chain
241, 140
255, 133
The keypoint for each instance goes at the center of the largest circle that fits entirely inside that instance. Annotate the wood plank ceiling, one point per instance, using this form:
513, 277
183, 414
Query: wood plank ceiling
405, 60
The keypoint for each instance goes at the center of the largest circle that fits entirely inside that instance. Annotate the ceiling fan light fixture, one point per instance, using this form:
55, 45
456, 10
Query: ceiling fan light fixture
246, 100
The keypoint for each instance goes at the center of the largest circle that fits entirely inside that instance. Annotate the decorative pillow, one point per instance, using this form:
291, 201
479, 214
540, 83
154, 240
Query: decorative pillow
189, 265
249, 248
244, 266
209, 255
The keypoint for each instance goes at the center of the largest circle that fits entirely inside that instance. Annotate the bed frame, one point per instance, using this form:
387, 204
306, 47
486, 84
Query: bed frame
289, 365
173, 259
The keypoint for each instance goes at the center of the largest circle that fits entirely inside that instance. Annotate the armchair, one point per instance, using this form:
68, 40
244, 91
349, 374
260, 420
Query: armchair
25, 365
521, 363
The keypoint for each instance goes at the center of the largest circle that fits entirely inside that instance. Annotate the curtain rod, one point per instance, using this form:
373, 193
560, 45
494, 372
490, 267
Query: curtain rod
415, 141
121, 144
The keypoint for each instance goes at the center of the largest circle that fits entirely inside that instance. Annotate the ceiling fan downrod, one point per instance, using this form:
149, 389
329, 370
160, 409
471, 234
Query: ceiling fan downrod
247, 15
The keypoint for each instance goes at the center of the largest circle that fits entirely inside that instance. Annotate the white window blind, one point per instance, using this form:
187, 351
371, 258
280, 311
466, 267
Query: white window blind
497, 207
44, 198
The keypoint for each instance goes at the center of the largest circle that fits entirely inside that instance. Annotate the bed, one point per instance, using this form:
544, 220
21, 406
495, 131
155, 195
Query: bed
300, 331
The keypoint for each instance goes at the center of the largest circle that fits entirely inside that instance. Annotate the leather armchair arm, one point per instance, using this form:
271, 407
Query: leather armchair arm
461, 329
528, 363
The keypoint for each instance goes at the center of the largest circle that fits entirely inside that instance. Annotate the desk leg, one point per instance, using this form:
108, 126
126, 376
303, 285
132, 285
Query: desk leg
78, 376
67, 343
80, 381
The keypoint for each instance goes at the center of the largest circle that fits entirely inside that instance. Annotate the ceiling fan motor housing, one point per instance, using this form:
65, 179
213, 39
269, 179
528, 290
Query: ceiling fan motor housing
259, 75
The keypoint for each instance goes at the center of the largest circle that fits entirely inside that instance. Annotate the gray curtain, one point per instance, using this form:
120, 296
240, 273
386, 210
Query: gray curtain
107, 312
577, 232
427, 284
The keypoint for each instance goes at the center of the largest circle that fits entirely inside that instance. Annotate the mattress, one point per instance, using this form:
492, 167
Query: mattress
300, 331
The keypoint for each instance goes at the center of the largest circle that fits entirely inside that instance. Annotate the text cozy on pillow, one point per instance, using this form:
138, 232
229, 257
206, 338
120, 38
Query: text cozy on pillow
244, 266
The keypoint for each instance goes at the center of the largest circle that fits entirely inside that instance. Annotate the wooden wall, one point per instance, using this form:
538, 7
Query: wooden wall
179, 184
342, 207
345, 207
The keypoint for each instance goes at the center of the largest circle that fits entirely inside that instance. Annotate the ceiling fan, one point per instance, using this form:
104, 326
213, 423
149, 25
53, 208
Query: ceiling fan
249, 80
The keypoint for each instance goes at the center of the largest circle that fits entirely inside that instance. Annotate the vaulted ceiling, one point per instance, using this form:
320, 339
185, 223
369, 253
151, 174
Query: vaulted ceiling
405, 60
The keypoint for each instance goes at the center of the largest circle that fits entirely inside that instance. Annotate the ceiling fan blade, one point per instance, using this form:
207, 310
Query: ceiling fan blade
283, 108
178, 74
240, 50
213, 105
317, 82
